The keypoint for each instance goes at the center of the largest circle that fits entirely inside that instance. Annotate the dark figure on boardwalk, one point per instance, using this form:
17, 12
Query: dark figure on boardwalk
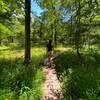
50, 52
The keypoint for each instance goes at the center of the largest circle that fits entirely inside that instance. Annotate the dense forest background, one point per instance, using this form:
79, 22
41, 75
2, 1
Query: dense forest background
74, 23
71, 24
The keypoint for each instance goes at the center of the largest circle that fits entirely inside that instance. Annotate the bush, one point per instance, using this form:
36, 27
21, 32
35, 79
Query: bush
79, 81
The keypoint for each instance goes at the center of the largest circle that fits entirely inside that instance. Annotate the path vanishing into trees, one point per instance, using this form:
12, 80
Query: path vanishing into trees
52, 86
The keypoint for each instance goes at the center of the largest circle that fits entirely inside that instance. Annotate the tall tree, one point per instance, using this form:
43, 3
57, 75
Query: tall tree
27, 30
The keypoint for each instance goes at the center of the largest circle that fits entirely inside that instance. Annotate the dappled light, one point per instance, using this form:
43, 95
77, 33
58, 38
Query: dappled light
49, 49
17, 79
79, 80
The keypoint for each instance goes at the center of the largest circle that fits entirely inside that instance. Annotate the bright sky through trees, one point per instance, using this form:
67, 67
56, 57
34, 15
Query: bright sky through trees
36, 8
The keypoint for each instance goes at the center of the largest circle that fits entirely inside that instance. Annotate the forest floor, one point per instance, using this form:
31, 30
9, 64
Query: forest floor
52, 86
52, 90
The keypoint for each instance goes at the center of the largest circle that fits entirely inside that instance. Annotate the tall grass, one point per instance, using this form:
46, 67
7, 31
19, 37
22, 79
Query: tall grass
18, 81
79, 81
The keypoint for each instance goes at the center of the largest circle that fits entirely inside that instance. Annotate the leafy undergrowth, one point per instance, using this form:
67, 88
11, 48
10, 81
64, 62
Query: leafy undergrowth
18, 81
79, 81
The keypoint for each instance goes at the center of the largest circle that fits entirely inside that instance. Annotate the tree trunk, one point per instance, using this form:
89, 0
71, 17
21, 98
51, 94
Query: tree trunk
52, 34
55, 37
78, 53
55, 40
12, 39
77, 33
40, 33
0, 41
27, 30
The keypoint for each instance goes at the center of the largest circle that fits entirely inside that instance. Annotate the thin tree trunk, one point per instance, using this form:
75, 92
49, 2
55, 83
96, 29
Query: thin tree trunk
27, 30
52, 33
40, 33
70, 40
55, 37
77, 33
0, 41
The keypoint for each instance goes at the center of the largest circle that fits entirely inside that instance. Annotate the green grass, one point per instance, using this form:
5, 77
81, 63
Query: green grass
18, 81
79, 80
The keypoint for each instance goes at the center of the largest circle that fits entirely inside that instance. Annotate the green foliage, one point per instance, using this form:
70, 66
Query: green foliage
8, 8
36, 92
69, 22
3, 7
11, 15
79, 80
18, 81
4, 31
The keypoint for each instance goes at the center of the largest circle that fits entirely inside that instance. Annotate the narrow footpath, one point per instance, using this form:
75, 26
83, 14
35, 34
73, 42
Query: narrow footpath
52, 89
52, 86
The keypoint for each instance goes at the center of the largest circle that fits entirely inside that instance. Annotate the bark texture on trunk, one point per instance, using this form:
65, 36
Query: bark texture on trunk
27, 30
